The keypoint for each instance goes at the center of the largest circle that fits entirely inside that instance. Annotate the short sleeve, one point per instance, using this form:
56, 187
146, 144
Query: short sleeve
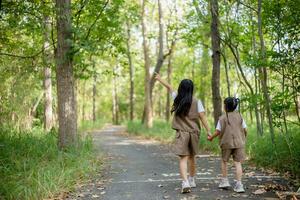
200, 107
173, 95
244, 125
218, 127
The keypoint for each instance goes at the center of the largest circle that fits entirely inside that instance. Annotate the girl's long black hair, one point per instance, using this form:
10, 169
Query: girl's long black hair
231, 104
184, 98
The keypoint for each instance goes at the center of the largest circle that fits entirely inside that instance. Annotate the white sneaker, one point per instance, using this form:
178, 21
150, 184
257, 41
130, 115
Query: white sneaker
239, 188
192, 181
185, 187
224, 183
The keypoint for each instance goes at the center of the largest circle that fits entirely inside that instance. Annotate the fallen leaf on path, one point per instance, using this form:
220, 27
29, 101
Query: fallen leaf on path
249, 174
80, 195
235, 195
277, 187
288, 195
204, 189
259, 191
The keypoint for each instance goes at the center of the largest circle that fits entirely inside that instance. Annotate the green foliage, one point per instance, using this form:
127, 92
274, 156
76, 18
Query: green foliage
89, 125
161, 130
283, 156
32, 167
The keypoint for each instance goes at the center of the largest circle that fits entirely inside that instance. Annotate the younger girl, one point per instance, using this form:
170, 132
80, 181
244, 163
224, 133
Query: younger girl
231, 129
187, 111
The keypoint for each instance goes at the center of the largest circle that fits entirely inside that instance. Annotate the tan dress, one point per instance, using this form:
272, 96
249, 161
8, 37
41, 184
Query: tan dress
232, 137
187, 132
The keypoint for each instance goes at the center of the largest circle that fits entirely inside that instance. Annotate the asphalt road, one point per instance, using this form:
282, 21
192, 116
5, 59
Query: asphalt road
139, 169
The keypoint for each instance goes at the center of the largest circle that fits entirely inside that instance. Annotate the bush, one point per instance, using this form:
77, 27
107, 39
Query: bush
32, 167
283, 156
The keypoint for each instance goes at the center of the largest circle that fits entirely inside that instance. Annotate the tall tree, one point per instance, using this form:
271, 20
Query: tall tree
148, 104
47, 58
115, 108
263, 71
67, 115
94, 91
215, 42
130, 70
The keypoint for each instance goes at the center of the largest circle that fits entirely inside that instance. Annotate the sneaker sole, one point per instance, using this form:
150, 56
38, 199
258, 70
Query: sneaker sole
225, 187
241, 191
186, 190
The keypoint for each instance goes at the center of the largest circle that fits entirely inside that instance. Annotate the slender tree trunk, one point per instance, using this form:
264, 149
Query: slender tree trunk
169, 80
148, 107
169, 75
47, 57
235, 53
263, 70
226, 73
215, 41
67, 114
130, 71
160, 58
94, 92
193, 66
115, 98
83, 100
203, 74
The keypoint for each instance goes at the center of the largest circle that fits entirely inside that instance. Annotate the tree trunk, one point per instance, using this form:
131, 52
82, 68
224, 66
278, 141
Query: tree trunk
215, 41
147, 107
203, 74
263, 72
94, 92
235, 53
47, 57
67, 114
115, 98
83, 100
160, 58
226, 73
169, 74
130, 72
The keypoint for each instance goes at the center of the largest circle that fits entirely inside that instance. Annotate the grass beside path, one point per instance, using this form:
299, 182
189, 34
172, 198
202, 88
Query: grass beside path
283, 156
32, 167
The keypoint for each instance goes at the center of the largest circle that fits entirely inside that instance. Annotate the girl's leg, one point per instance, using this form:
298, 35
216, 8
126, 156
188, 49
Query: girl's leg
224, 183
239, 170
183, 167
192, 166
224, 169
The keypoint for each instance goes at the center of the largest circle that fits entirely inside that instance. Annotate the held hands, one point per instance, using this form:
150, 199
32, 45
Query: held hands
209, 137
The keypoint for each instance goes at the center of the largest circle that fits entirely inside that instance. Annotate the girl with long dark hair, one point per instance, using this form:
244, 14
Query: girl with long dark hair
187, 111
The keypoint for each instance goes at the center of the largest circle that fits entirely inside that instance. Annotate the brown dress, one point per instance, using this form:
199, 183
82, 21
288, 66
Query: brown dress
187, 132
232, 137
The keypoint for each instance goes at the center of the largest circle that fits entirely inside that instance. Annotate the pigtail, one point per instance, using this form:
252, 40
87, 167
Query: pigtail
227, 118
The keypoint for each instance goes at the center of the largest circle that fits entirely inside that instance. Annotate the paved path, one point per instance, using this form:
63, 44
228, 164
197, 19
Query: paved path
138, 169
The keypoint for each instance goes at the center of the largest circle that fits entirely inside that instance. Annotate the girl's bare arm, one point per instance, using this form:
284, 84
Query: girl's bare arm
204, 122
163, 82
